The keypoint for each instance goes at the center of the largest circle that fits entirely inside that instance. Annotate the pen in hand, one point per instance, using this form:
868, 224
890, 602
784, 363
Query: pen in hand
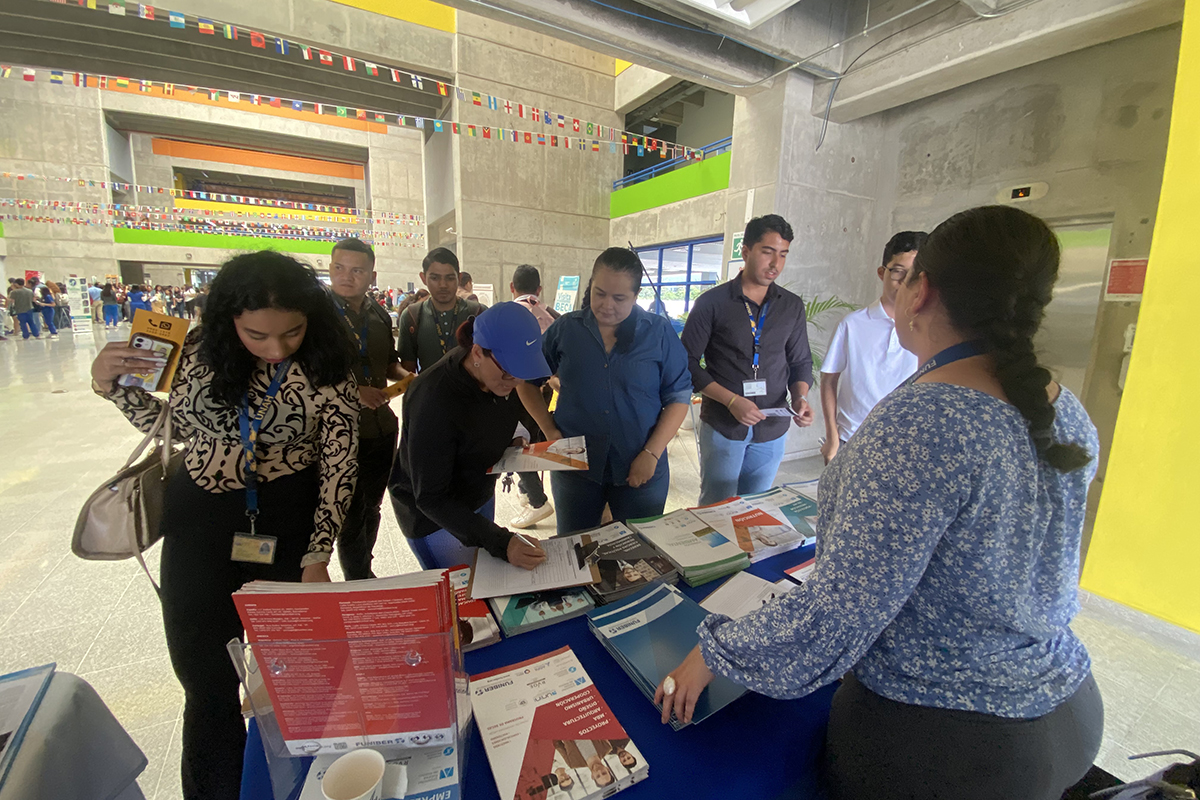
528, 556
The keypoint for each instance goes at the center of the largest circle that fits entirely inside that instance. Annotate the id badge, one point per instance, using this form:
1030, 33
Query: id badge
253, 549
754, 388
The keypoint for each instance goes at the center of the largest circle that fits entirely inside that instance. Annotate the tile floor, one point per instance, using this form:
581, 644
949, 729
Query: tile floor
100, 620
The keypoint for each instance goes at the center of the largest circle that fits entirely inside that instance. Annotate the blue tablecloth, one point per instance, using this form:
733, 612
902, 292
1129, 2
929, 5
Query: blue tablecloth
755, 748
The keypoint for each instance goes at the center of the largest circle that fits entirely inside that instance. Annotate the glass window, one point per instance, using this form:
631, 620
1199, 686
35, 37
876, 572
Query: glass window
681, 273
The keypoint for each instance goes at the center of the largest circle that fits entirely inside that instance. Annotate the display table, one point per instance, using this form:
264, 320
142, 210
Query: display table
757, 747
74, 749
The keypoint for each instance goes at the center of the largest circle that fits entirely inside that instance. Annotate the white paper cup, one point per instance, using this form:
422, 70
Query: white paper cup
355, 776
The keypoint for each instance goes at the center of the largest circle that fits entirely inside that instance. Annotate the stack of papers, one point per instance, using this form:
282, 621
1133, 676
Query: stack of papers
700, 553
743, 594
760, 529
476, 628
356, 664
560, 454
519, 613
649, 634
565, 566
549, 733
627, 563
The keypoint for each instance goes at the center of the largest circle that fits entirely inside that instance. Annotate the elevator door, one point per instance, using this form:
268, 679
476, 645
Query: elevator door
1064, 343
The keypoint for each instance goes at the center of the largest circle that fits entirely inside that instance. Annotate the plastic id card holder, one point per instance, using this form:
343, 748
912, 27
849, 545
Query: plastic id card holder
253, 549
754, 388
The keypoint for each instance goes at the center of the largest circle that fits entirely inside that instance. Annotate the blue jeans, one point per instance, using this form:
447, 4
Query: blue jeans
580, 502
442, 549
48, 316
729, 468
112, 315
29, 326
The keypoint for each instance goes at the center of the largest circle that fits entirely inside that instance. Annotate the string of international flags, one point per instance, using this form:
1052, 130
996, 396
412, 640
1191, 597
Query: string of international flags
377, 217
575, 133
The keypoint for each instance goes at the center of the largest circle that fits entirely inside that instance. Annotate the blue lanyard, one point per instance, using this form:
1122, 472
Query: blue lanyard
360, 337
249, 429
948, 356
756, 327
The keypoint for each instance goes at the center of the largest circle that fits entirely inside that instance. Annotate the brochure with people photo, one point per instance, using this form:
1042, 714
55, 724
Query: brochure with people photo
476, 628
520, 613
627, 563
549, 733
700, 553
555, 456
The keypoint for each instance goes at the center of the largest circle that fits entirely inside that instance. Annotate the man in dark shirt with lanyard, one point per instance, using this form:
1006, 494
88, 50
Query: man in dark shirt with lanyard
352, 273
753, 337
427, 328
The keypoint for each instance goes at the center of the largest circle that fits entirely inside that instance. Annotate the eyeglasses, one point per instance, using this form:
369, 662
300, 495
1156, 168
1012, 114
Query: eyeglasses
898, 274
503, 373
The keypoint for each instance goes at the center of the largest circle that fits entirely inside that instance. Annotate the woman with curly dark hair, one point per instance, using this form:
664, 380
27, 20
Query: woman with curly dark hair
265, 400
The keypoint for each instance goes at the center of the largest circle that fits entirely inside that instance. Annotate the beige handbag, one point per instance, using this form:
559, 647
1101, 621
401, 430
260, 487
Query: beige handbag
121, 518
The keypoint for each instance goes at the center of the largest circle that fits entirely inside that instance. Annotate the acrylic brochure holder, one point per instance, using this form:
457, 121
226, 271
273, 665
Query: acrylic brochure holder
404, 696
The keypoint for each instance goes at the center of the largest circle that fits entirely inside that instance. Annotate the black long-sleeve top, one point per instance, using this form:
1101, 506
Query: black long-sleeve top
451, 432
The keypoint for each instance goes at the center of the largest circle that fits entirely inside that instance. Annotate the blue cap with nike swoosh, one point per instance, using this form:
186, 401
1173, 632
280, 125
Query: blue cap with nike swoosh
513, 335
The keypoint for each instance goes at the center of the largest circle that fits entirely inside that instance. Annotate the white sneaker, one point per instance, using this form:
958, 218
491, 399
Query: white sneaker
530, 516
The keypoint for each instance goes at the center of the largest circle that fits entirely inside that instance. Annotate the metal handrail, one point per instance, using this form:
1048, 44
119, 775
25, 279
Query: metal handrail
716, 148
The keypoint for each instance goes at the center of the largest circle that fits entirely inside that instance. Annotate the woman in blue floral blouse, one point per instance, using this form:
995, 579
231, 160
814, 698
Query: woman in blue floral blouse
948, 552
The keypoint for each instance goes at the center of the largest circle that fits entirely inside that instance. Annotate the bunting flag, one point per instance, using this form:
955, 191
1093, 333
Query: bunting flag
441, 87
281, 46
306, 51
371, 69
593, 131
176, 19
348, 63
206, 26
117, 8
395, 74
258, 40
230, 32
146, 12
325, 57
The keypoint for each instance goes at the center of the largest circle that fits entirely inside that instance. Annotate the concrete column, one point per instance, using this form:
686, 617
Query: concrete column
395, 182
57, 131
529, 204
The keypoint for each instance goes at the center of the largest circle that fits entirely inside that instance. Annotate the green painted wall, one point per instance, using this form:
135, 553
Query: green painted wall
215, 240
709, 175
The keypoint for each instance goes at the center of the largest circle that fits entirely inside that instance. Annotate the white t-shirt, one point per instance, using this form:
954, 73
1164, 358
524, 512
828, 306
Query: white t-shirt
866, 352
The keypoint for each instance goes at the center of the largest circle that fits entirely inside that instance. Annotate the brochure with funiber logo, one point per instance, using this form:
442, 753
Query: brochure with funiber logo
548, 732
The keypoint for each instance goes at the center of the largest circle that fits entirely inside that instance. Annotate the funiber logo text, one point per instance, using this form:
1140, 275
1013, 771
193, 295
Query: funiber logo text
493, 686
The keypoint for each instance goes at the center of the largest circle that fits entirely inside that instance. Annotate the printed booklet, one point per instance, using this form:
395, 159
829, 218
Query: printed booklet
627, 563
700, 553
519, 613
649, 634
549, 733
560, 454
356, 664
476, 628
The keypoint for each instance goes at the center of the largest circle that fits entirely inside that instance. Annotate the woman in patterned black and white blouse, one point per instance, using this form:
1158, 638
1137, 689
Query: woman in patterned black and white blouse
267, 316
947, 552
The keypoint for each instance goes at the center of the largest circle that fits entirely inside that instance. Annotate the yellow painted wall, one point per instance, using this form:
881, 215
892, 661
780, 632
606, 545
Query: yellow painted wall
418, 12
1145, 550
621, 66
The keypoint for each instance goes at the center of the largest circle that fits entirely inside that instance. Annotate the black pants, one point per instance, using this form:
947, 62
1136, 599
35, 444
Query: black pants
531, 485
361, 528
198, 578
877, 748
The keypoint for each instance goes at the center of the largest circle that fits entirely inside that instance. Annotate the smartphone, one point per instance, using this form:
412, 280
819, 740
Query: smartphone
148, 380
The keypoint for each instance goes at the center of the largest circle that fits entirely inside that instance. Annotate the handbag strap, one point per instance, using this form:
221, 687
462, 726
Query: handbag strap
137, 553
161, 425
163, 418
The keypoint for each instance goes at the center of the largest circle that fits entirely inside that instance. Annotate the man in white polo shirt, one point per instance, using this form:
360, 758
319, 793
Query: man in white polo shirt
865, 361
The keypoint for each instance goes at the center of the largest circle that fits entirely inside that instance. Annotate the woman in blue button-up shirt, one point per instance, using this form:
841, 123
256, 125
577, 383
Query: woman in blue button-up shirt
626, 387
947, 553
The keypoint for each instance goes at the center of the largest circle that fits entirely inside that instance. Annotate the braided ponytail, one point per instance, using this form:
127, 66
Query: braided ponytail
994, 268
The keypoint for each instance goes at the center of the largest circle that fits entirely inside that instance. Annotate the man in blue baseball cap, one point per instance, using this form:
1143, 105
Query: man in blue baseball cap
459, 416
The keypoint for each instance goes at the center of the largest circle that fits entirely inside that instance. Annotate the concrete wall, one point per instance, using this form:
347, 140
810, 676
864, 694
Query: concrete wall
56, 131
1092, 124
526, 204
694, 218
396, 183
706, 124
